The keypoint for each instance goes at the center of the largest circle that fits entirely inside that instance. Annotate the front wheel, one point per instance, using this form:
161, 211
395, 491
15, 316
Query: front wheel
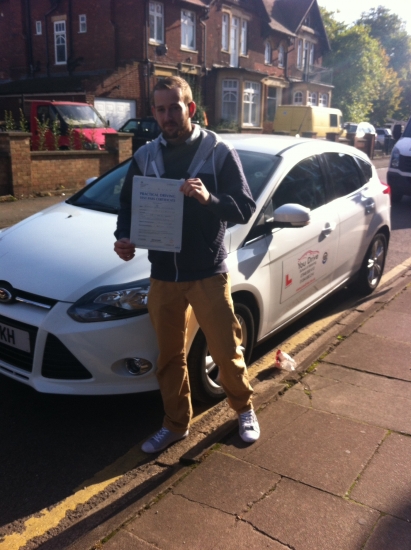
203, 371
373, 265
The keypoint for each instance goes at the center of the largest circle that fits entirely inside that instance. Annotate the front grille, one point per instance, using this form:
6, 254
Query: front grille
35, 299
405, 163
60, 363
14, 356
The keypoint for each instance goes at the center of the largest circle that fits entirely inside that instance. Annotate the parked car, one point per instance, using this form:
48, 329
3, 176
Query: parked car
80, 125
143, 130
359, 129
73, 316
399, 170
384, 139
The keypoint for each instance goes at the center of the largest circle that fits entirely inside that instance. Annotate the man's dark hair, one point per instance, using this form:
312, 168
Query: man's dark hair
171, 82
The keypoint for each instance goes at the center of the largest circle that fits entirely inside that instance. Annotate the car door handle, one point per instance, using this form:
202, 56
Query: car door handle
328, 228
369, 204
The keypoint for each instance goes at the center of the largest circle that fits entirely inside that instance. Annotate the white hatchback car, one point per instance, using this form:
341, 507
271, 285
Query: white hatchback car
73, 316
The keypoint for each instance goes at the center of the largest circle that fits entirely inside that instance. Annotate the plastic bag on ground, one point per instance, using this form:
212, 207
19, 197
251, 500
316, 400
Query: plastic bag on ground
284, 361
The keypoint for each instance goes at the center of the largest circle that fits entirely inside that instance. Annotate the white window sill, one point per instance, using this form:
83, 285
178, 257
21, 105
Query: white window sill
187, 49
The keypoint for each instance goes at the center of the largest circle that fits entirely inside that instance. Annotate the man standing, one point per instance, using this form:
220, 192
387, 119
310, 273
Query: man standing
216, 192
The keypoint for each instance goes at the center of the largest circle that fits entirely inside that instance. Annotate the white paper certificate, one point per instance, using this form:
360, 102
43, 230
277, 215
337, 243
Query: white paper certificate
157, 214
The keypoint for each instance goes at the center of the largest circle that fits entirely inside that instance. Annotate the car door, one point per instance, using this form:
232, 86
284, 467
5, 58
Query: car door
355, 205
302, 259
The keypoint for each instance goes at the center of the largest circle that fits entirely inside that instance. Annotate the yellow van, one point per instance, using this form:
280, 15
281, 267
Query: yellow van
307, 120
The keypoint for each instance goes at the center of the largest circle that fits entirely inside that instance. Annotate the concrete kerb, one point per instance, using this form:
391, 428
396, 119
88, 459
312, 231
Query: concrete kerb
224, 422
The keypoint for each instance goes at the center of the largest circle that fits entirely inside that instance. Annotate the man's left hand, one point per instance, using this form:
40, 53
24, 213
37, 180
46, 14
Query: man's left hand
196, 189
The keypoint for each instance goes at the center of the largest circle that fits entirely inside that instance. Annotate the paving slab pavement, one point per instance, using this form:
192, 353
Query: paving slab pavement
331, 469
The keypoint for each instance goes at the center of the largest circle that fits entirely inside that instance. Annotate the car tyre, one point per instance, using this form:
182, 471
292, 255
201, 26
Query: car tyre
373, 265
203, 372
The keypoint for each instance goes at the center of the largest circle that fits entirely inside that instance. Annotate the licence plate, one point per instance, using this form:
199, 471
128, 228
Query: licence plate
15, 337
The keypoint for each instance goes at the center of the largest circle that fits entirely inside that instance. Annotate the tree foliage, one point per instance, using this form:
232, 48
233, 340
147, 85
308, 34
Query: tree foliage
389, 29
366, 87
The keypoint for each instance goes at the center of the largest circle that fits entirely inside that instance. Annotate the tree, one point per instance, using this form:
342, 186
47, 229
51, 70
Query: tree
332, 26
365, 86
388, 102
389, 29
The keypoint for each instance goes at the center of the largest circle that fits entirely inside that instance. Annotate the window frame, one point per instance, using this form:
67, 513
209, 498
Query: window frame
251, 109
281, 56
299, 93
323, 100
229, 90
156, 31
243, 37
188, 25
268, 52
312, 99
225, 32
39, 28
311, 54
58, 35
82, 23
235, 32
271, 103
300, 45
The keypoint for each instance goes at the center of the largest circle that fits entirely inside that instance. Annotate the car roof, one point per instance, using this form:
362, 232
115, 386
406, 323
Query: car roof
276, 145
266, 143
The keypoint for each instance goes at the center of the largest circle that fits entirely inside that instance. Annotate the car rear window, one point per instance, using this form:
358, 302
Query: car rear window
366, 169
343, 173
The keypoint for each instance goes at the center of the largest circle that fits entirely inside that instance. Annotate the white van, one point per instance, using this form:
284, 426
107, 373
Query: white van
399, 171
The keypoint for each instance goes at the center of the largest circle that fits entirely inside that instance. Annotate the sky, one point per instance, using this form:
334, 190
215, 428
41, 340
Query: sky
351, 10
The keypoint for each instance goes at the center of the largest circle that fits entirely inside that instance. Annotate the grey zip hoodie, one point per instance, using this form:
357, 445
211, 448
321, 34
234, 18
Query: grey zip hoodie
205, 156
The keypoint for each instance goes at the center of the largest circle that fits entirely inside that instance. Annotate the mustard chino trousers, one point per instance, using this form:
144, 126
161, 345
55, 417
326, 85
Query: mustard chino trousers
210, 299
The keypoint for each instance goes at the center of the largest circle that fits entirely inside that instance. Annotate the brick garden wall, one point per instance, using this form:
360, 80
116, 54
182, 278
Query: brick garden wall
53, 170
24, 172
5, 187
5, 177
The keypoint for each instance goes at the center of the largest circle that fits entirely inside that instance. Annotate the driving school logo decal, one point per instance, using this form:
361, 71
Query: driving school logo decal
306, 267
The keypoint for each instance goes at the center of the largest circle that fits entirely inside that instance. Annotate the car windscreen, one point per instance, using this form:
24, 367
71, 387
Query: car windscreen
80, 116
104, 193
258, 168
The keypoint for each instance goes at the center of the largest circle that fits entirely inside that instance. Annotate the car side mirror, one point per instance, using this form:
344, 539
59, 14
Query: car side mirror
397, 131
294, 215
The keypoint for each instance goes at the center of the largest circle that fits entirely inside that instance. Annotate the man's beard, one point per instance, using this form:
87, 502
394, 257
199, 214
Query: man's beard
174, 132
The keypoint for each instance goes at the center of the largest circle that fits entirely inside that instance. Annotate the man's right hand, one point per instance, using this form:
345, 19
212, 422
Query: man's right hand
125, 249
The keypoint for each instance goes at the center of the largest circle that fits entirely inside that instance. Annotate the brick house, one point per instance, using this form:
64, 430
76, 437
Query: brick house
242, 57
310, 83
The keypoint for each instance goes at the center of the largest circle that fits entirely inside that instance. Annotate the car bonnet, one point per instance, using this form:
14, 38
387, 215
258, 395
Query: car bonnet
64, 252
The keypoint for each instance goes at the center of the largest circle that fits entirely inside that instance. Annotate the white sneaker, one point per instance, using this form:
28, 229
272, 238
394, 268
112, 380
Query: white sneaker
249, 427
161, 440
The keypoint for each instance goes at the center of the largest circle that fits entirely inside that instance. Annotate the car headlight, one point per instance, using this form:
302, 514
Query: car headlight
90, 145
108, 303
395, 158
